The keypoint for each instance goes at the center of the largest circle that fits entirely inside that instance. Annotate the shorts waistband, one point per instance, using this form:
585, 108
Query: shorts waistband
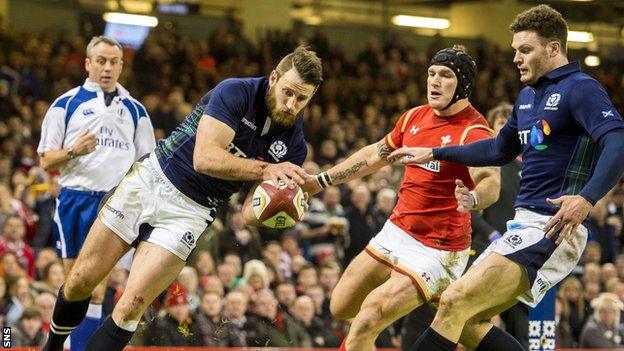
152, 164
83, 192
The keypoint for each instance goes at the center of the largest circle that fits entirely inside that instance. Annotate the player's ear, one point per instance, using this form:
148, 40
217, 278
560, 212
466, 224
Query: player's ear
273, 78
553, 48
87, 64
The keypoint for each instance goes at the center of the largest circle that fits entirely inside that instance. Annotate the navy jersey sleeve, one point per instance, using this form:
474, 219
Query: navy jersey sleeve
496, 151
592, 109
229, 101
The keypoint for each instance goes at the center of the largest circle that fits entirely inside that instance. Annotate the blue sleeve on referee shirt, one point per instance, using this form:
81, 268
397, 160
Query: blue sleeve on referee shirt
592, 109
229, 101
496, 151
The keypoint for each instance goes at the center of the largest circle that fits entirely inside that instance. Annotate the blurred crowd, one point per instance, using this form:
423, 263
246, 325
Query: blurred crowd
247, 286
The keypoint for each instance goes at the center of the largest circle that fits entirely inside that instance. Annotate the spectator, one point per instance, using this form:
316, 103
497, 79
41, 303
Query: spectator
6, 302
177, 327
608, 271
362, 223
271, 327
573, 310
603, 329
236, 310
212, 283
28, 331
22, 298
307, 277
45, 256
235, 260
10, 268
45, 305
215, 328
286, 295
256, 274
13, 240
290, 245
189, 280
203, 263
227, 274
591, 273
592, 253
303, 310
563, 333
329, 273
237, 238
275, 256
53, 278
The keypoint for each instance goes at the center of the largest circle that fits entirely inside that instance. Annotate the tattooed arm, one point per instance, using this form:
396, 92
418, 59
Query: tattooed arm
363, 162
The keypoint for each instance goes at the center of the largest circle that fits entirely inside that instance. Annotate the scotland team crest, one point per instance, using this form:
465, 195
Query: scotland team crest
278, 150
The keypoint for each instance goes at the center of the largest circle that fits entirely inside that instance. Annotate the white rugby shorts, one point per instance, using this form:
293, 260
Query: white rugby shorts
147, 207
545, 262
431, 270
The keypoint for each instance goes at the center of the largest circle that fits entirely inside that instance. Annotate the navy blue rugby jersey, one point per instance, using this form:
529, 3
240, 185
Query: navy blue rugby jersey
558, 122
239, 103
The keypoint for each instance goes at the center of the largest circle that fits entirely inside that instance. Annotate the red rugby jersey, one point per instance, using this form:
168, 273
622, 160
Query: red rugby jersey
427, 208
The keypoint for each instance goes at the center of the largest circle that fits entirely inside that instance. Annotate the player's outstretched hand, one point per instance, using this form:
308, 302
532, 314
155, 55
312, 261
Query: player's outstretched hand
85, 144
286, 172
462, 194
411, 155
573, 209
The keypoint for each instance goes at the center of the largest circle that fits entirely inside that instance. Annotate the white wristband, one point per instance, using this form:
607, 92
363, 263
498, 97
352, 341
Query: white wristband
475, 199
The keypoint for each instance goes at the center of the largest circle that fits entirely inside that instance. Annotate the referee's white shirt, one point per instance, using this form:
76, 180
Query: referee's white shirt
123, 129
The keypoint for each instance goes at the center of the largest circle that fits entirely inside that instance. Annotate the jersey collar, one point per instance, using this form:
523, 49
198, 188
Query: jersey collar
95, 87
558, 73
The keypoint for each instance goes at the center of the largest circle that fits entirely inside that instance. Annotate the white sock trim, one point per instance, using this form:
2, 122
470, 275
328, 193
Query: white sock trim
130, 326
94, 311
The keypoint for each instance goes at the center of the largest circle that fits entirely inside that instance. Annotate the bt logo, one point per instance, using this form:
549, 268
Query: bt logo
536, 135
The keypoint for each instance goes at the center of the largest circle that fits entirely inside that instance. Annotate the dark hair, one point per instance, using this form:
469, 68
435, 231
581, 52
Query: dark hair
503, 109
305, 62
48, 267
30, 313
545, 21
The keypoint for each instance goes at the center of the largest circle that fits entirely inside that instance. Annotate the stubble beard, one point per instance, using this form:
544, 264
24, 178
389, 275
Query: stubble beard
280, 118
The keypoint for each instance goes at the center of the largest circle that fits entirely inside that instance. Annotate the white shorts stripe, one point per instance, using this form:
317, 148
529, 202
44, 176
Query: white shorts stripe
57, 220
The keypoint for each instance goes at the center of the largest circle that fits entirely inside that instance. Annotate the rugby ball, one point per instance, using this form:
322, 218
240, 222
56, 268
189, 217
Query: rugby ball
278, 206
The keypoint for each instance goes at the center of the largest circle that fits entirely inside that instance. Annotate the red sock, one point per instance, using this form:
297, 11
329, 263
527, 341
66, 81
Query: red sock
343, 346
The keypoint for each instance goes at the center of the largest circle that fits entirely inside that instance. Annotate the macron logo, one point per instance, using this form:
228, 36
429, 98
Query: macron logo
525, 106
115, 211
249, 124
88, 112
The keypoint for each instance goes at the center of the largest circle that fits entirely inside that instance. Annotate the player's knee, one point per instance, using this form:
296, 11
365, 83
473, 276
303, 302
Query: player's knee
78, 286
369, 319
339, 309
453, 298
